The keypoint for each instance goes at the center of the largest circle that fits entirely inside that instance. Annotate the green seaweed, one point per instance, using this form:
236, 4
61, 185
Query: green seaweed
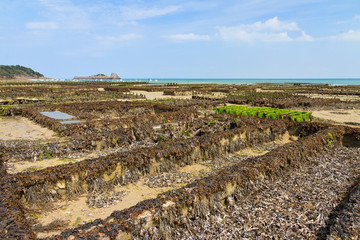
265, 112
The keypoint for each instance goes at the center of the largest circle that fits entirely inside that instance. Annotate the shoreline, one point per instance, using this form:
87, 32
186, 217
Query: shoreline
220, 81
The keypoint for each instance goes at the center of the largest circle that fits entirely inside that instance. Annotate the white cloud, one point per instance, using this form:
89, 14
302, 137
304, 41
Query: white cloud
273, 24
305, 37
58, 5
136, 13
233, 33
272, 30
349, 21
340, 22
108, 40
189, 36
67, 14
351, 35
74, 16
42, 25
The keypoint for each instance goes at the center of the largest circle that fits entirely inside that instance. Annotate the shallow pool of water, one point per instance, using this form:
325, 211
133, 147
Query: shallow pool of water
57, 115
71, 121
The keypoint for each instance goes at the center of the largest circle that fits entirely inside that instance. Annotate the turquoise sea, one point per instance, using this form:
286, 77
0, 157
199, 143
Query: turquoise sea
249, 81
330, 81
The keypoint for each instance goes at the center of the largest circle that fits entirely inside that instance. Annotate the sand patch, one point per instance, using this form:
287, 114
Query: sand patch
268, 90
340, 115
159, 95
330, 96
252, 152
267, 147
26, 166
19, 128
285, 138
77, 211
194, 169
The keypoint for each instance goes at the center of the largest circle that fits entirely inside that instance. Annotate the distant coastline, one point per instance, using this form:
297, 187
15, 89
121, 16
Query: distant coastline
329, 81
18, 72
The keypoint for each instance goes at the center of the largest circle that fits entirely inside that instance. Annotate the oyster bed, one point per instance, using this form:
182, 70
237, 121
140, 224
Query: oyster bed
296, 205
157, 217
208, 175
344, 222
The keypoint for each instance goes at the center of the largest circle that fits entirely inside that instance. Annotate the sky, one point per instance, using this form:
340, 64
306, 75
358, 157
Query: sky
183, 39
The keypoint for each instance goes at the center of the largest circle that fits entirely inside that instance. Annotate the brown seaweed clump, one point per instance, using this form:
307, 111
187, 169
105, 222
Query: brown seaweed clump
297, 189
299, 204
344, 222
209, 196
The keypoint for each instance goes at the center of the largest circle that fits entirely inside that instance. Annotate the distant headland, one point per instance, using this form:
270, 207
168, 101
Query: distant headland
100, 76
18, 72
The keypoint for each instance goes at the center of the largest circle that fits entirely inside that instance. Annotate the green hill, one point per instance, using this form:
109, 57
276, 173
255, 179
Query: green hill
12, 71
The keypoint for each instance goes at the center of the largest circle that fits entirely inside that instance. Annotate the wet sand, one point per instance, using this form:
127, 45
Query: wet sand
329, 96
339, 115
19, 128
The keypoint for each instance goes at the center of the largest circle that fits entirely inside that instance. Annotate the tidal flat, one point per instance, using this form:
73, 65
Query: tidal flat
158, 161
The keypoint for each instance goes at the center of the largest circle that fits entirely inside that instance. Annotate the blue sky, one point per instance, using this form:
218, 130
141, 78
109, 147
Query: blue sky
183, 39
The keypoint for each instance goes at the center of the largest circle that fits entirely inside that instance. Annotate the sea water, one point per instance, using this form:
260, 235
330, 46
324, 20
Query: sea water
248, 81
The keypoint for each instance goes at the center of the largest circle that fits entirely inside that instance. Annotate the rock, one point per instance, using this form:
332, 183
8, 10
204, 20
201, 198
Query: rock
114, 75
53, 191
230, 201
100, 76
294, 138
61, 185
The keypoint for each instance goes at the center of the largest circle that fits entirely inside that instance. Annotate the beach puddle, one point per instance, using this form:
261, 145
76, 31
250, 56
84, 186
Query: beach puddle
57, 115
61, 116
71, 121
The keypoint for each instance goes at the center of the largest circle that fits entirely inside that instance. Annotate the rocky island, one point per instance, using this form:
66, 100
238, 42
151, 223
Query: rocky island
100, 76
